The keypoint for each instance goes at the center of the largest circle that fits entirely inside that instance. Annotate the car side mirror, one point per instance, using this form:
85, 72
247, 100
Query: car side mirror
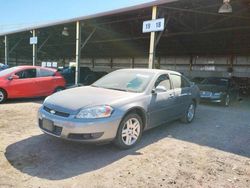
13, 77
159, 89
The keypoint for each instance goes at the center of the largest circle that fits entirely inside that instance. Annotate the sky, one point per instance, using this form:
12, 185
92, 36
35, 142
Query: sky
17, 14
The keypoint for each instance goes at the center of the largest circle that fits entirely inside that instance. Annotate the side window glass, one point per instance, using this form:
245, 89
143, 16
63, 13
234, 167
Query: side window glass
45, 73
179, 81
176, 80
29, 73
184, 82
163, 80
21, 74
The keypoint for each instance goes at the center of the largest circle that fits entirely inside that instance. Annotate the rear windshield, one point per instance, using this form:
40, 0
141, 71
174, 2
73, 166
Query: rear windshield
8, 71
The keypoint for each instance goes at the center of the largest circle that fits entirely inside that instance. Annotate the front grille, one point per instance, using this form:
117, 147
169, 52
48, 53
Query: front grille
55, 129
62, 114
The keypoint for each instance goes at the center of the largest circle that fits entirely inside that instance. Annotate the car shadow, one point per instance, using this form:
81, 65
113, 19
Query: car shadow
38, 100
50, 158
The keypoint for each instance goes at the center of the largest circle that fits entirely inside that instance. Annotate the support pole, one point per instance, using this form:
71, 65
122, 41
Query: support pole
78, 51
152, 41
6, 50
34, 49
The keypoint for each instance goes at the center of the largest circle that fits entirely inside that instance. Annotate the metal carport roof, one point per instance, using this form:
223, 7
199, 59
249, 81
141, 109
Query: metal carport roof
194, 27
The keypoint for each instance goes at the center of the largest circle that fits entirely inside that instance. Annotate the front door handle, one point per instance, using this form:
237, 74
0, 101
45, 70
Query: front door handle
171, 96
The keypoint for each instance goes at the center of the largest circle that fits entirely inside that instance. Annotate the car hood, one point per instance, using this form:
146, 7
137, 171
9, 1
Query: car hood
212, 88
72, 100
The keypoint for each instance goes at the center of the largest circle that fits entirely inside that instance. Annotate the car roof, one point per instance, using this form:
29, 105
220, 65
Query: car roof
155, 71
30, 66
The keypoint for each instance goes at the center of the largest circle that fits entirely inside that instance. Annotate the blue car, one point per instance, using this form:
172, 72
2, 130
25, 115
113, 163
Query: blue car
218, 90
3, 66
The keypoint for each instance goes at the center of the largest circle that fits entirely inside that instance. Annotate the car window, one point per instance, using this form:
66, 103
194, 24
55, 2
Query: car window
216, 81
163, 80
45, 73
28, 73
179, 81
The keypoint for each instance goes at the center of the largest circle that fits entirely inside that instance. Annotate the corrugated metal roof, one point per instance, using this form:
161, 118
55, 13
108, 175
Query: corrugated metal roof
108, 13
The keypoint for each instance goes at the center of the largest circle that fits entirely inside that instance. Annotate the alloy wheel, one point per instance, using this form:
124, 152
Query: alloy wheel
227, 100
190, 113
1, 96
131, 131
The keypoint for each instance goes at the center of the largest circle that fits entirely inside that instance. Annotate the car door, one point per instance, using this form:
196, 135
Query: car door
162, 104
45, 81
182, 90
25, 85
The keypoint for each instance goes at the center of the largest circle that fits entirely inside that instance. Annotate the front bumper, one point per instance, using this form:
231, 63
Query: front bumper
70, 128
213, 99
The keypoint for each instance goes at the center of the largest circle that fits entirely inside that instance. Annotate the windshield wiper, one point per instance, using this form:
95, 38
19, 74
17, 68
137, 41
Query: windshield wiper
114, 88
117, 89
95, 86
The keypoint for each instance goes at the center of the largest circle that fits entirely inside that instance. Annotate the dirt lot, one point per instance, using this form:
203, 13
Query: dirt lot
213, 151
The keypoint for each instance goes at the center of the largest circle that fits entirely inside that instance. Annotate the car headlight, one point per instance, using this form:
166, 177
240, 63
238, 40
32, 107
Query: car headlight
218, 94
102, 111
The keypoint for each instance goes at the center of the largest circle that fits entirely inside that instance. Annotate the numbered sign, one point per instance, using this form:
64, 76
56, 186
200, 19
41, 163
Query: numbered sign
33, 40
153, 25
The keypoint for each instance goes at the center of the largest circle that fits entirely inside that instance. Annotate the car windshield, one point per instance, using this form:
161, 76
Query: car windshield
215, 81
8, 71
125, 81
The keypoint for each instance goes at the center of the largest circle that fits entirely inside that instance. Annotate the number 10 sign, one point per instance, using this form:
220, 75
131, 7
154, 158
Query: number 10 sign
153, 25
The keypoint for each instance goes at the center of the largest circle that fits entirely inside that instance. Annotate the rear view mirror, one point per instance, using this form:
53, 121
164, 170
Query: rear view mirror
13, 77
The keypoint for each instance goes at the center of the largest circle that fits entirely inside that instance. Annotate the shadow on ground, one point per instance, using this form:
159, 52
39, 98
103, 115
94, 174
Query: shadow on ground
222, 128
38, 100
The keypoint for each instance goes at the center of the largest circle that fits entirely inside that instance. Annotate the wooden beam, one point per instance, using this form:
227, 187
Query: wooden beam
88, 38
152, 41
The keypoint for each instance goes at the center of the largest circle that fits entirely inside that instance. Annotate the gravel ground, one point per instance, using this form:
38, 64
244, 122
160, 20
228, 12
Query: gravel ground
213, 151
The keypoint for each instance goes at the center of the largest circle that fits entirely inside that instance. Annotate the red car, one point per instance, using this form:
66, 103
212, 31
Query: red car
28, 82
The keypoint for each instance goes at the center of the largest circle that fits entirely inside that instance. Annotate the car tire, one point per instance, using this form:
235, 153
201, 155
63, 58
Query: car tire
58, 89
129, 132
3, 96
227, 100
189, 113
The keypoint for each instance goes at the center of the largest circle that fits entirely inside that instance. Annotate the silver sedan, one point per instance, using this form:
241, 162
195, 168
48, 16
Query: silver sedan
119, 106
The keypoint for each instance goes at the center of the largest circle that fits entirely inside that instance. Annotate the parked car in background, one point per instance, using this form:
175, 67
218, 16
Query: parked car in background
218, 90
87, 76
197, 80
3, 66
119, 106
244, 85
29, 81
